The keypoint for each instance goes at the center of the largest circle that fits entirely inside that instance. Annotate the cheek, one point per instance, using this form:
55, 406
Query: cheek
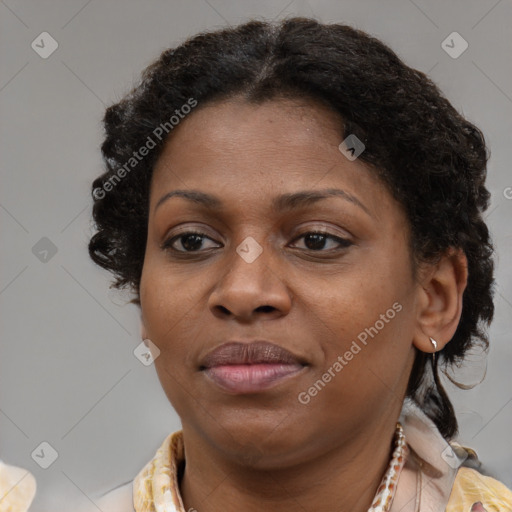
172, 304
355, 298
168, 312
160, 305
165, 296
367, 320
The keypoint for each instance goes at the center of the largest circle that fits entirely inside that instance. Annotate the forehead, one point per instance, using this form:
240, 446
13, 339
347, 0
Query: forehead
245, 151
300, 116
271, 125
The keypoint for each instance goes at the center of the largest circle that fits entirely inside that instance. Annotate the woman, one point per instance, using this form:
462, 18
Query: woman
299, 215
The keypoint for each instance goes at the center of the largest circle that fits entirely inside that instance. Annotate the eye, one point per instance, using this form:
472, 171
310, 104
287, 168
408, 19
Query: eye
194, 241
317, 241
191, 241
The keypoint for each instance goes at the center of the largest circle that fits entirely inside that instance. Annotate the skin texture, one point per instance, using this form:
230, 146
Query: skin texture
243, 451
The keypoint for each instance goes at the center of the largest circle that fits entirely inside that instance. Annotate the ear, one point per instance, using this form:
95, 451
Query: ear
439, 300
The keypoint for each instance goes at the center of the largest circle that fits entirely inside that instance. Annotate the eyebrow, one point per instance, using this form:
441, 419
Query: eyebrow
290, 201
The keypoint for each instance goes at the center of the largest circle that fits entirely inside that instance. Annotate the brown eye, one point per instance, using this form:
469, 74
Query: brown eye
187, 242
317, 241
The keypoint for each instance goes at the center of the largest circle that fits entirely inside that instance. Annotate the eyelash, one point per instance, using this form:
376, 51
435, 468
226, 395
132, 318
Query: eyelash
343, 242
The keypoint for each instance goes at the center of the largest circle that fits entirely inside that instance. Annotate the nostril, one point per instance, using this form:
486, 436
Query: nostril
222, 311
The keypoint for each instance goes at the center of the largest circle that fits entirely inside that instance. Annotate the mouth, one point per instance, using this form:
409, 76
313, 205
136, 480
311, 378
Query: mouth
241, 368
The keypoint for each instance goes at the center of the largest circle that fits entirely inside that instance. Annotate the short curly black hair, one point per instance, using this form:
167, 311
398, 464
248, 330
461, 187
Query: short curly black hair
432, 159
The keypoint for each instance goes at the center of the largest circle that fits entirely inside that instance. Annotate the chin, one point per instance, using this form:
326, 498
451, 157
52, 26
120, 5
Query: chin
264, 443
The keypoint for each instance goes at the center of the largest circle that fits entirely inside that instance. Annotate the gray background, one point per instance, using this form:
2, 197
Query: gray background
68, 375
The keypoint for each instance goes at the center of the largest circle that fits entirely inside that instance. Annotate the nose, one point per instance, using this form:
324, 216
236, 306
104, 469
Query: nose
247, 291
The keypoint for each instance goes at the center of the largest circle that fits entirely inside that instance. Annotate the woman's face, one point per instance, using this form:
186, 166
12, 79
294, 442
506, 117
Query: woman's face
338, 307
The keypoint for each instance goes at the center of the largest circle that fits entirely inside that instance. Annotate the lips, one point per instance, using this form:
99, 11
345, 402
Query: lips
239, 367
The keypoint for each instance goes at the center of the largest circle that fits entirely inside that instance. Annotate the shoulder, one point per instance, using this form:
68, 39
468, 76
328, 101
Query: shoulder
474, 491
119, 499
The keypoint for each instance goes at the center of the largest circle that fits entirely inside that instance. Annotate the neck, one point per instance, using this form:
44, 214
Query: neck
343, 479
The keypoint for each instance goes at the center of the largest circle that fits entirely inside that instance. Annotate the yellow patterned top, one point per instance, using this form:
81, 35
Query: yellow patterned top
474, 492
156, 487
17, 488
430, 479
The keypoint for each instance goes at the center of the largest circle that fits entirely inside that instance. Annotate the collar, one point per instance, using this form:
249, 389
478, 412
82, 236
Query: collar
431, 467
